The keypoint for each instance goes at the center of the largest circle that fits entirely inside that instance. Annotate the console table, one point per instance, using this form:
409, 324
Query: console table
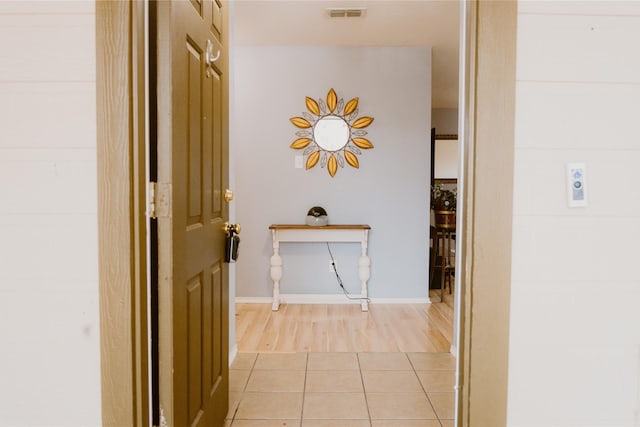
328, 233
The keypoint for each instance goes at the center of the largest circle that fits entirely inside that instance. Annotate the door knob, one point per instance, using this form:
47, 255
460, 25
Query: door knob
232, 228
228, 195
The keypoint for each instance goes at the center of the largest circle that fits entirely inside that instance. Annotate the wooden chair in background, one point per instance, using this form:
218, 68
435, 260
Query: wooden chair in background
443, 251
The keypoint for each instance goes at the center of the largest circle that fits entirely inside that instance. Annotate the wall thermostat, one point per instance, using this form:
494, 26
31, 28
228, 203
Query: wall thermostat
576, 180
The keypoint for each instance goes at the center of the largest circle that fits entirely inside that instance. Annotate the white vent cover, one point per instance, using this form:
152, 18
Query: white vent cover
347, 12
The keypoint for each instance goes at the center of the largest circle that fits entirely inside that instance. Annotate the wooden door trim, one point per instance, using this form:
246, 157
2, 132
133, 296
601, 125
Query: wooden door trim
488, 163
122, 247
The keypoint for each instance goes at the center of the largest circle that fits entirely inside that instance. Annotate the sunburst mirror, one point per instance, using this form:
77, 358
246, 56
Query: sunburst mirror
331, 133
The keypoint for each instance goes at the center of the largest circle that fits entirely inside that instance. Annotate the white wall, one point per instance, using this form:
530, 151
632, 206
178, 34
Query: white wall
49, 351
389, 191
575, 296
446, 158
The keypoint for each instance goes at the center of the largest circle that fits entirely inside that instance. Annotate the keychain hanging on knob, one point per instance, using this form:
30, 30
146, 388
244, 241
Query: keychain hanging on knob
232, 242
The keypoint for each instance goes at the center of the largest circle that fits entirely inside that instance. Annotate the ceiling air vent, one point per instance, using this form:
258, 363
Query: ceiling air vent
347, 12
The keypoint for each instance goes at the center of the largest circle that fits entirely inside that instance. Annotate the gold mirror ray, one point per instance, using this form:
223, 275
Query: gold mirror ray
313, 158
300, 122
332, 100
332, 165
300, 143
313, 106
351, 159
362, 122
351, 106
363, 143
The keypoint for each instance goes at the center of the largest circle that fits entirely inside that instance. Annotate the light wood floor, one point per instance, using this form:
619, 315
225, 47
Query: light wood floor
325, 328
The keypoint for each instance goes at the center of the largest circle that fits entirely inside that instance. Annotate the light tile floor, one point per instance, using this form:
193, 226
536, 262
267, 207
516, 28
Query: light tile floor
341, 390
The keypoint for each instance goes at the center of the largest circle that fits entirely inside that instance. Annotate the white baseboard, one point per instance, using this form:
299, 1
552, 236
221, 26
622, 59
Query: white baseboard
328, 299
233, 352
425, 300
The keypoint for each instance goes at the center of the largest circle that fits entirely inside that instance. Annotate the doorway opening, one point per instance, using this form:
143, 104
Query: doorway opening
262, 331
484, 318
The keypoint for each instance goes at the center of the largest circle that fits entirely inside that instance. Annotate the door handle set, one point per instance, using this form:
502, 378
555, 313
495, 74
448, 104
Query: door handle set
232, 231
232, 228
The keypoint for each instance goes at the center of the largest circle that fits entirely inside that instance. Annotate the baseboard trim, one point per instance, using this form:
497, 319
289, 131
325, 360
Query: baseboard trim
328, 299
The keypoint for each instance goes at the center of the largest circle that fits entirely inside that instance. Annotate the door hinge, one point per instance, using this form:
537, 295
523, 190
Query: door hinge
153, 200
159, 200
163, 420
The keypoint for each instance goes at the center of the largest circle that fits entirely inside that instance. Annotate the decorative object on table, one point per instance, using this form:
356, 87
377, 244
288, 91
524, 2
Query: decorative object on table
317, 217
331, 133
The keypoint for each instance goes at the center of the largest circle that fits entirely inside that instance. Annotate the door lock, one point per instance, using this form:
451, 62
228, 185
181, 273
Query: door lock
232, 242
228, 195
232, 228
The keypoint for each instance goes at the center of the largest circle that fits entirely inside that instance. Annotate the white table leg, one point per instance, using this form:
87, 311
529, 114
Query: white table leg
276, 271
364, 272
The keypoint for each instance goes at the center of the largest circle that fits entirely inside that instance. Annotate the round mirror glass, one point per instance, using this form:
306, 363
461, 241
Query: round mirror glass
331, 133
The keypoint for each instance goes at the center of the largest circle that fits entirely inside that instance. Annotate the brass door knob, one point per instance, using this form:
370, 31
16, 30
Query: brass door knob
228, 195
232, 228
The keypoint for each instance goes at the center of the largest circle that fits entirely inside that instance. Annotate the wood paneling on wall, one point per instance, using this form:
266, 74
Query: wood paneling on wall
49, 327
575, 290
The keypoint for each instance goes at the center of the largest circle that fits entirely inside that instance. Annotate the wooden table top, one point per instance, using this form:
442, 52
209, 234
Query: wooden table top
320, 227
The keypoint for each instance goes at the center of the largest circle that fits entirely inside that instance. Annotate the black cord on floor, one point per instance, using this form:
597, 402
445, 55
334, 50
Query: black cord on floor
335, 270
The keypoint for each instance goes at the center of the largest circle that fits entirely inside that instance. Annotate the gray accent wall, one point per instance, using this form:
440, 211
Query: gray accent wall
389, 191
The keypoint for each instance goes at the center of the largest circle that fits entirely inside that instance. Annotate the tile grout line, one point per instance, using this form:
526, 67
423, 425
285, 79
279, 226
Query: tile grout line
244, 389
415, 372
304, 386
364, 391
